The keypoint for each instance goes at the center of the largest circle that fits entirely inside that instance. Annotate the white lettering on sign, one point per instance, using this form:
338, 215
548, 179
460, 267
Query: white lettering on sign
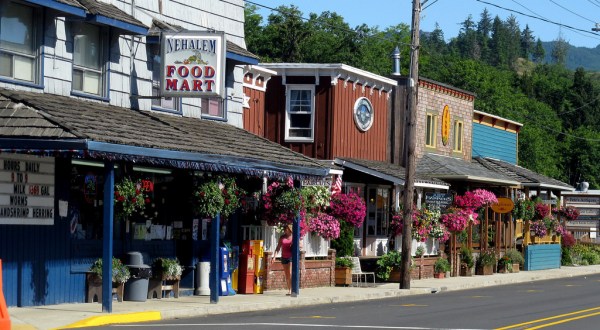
26, 190
582, 200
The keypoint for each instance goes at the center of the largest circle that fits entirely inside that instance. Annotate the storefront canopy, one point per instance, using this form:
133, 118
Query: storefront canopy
526, 177
390, 172
48, 124
451, 168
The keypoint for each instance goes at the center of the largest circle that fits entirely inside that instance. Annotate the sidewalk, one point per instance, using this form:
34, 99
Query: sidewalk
79, 315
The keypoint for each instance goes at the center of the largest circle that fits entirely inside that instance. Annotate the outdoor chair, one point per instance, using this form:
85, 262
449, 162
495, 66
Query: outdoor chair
358, 276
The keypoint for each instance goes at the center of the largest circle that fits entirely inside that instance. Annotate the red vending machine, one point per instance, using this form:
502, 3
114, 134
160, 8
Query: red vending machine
246, 274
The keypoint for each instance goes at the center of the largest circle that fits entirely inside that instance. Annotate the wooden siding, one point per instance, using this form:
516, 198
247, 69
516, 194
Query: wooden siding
336, 134
346, 139
543, 256
494, 143
254, 117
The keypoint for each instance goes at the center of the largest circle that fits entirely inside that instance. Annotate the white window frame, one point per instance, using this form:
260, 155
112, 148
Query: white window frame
35, 56
103, 83
289, 89
457, 136
155, 50
431, 130
205, 103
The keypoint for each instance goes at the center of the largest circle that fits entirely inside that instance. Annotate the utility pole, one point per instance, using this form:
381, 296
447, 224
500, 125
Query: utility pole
597, 28
410, 147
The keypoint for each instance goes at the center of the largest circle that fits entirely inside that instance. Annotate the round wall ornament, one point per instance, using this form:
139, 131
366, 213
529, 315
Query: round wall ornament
363, 114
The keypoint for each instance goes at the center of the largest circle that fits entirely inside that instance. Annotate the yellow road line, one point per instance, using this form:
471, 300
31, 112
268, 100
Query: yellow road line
564, 321
548, 318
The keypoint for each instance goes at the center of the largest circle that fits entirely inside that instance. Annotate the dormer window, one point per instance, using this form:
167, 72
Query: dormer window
19, 42
89, 56
300, 113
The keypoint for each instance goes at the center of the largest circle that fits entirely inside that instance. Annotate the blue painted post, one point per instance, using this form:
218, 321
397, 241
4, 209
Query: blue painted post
215, 266
107, 241
296, 257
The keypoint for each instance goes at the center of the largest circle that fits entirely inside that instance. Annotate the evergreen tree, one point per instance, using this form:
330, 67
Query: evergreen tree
538, 52
527, 42
559, 51
484, 28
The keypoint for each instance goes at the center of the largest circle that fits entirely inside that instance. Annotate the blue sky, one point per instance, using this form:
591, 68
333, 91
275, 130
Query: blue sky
579, 14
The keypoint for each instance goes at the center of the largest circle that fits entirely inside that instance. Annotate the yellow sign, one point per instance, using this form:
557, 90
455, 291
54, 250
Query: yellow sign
446, 125
504, 205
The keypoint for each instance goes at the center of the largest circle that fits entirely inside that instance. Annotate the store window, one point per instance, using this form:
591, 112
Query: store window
430, 136
213, 108
377, 211
19, 41
161, 103
300, 108
89, 55
457, 144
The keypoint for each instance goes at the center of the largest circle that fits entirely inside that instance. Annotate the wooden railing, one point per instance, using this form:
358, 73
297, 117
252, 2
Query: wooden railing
315, 246
583, 234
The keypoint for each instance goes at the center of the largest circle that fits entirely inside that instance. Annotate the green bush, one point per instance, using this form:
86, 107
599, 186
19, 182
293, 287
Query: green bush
344, 245
565, 256
486, 258
387, 262
441, 265
466, 257
343, 262
515, 256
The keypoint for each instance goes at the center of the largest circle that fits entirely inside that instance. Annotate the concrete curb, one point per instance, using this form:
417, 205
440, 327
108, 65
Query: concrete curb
116, 318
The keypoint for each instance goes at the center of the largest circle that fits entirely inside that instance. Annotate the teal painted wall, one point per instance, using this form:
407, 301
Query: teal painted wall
494, 143
542, 256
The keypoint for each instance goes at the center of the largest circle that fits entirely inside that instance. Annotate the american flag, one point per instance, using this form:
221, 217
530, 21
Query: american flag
336, 187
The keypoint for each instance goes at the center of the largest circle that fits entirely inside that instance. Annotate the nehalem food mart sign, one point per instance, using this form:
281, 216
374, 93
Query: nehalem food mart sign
193, 64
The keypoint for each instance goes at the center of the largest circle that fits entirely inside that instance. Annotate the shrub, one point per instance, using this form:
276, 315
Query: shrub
486, 258
343, 262
344, 245
515, 256
387, 262
441, 265
466, 257
565, 256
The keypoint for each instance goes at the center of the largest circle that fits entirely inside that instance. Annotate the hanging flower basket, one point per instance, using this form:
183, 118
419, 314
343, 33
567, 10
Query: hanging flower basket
208, 199
130, 196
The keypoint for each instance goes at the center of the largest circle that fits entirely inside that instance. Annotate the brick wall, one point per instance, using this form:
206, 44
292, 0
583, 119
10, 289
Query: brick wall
313, 273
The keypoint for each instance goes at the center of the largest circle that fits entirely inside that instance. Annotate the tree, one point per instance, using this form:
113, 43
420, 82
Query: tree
538, 52
527, 42
284, 34
559, 51
484, 28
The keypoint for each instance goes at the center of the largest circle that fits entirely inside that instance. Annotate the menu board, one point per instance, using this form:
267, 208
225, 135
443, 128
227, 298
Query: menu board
26, 190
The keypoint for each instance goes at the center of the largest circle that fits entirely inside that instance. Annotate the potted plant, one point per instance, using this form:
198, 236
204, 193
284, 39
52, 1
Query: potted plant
420, 251
343, 271
440, 267
167, 269
466, 261
208, 199
485, 262
517, 259
120, 275
388, 262
505, 264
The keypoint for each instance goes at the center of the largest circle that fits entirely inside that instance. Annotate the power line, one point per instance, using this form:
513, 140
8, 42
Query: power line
572, 12
540, 18
594, 3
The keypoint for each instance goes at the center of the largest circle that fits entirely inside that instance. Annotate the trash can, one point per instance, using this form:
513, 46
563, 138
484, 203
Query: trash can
136, 288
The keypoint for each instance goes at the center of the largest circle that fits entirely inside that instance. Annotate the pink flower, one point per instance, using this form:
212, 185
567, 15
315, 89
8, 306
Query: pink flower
348, 207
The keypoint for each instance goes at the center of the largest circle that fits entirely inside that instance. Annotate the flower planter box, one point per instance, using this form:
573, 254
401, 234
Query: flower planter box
515, 268
343, 276
504, 270
466, 271
94, 288
439, 275
485, 270
161, 283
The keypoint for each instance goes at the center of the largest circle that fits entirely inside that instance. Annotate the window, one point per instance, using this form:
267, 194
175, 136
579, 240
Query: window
88, 59
164, 103
300, 113
213, 108
377, 211
430, 137
18, 42
457, 136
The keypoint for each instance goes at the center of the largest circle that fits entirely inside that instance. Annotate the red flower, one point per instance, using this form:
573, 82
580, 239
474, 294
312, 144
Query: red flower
227, 202
147, 200
117, 194
133, 200
202, 194
137, 191
121, 199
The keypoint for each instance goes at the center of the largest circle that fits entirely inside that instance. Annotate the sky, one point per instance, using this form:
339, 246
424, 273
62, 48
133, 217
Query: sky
580, 15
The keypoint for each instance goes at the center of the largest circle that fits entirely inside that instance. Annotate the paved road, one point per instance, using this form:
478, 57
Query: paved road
570, 303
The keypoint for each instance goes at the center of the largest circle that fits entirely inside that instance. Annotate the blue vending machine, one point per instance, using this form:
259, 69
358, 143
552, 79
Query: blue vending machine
225, 288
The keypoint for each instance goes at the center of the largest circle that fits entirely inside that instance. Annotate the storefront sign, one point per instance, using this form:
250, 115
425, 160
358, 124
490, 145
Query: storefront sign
445, 125
588, 213
504, 205
316, 182
26, 190
594, 200
193, 64
438, 200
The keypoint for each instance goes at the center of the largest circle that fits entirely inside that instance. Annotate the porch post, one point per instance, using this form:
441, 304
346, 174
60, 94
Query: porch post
215, 264
296, 257
107, 244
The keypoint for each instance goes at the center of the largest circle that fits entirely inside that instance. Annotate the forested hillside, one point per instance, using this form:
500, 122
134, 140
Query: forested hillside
501, 62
